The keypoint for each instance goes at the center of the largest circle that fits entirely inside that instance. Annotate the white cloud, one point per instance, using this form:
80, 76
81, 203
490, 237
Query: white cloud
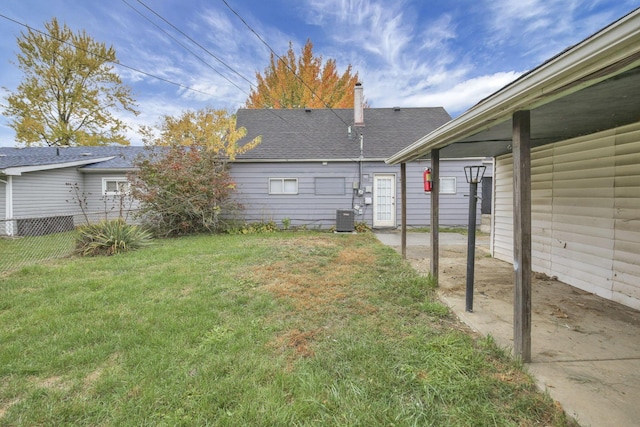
377, 27
463, 95
396, 56
454, 97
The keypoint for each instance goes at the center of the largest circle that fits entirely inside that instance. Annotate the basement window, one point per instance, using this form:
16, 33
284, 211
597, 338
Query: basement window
283, 185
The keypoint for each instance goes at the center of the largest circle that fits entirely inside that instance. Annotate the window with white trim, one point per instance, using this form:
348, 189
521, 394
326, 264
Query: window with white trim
448, 185
115, 186
283, 185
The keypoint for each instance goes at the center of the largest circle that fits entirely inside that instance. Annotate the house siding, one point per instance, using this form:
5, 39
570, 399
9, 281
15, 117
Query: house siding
102, 206
304, 208
585, 212
45, 193
311, 209
3, 199
454, 208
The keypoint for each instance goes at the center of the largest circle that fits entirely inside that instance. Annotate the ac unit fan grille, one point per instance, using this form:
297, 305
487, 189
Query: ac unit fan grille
344, 220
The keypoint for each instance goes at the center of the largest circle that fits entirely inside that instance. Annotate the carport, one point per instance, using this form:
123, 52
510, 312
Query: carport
590, 87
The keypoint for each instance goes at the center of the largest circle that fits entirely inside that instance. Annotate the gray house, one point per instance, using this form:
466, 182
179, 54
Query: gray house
313, 163
311, 167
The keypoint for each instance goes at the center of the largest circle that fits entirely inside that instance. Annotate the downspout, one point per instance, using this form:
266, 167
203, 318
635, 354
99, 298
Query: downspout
8, 211
361, 159
358, 122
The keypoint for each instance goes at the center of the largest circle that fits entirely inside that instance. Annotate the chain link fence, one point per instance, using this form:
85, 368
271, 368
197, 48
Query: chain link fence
29, 241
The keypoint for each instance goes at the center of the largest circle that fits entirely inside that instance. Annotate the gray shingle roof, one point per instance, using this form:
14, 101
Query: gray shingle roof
323, 134
317, 134
41, 156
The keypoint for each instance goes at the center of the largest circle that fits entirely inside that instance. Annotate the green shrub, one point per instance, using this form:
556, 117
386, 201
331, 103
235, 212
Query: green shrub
254, 227
184, 190
286, 223
110, 237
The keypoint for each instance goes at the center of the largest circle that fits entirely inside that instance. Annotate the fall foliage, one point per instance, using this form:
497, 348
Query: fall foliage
69, 91
303, 82
213, 130
183, 190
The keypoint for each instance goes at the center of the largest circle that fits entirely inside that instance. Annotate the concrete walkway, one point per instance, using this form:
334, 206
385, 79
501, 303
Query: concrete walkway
585, 350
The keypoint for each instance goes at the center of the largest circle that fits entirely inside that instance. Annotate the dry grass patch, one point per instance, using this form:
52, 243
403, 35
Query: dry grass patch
310, 286
301, 342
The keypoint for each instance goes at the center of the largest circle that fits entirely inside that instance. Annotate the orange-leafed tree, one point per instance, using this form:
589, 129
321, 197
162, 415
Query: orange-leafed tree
304, 82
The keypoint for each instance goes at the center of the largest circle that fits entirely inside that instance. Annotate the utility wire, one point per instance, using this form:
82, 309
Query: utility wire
203, 48
195, 42
107, 59
185, 47
282, 60
144, 72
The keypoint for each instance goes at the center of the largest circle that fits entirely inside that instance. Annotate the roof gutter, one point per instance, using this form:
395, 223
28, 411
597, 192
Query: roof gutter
104, 170
612, 51
19, 170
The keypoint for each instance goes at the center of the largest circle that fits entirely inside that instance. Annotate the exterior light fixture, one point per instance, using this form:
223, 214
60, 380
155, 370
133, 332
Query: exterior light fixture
474, 175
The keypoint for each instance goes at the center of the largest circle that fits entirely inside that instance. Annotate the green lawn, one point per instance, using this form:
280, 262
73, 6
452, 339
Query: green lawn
276, 329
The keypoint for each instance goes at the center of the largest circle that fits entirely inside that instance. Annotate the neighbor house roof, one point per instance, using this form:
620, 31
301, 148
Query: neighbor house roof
323, 134
14, 161
592, 86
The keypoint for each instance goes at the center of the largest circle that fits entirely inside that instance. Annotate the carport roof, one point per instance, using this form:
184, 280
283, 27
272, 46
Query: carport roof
592, 86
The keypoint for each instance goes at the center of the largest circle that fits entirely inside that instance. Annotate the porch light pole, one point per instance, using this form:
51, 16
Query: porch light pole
474, 175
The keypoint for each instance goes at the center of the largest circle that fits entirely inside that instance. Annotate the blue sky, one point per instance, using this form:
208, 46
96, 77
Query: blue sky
412, 53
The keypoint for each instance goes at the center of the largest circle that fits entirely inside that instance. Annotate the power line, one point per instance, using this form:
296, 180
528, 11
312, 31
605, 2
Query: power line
195, 42
107, 59
204, 49
186, 48
282, 60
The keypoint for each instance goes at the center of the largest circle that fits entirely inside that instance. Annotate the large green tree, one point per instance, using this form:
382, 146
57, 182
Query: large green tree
69, 92
304, 82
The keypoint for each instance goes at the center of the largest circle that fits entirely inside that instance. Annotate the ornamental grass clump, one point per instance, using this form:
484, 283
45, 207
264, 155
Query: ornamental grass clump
110, 237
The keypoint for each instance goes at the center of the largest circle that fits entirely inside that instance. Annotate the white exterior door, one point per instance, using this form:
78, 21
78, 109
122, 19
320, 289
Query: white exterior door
384, 200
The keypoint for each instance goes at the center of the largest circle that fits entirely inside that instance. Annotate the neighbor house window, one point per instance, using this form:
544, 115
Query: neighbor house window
448, 185
283, 185
115, 186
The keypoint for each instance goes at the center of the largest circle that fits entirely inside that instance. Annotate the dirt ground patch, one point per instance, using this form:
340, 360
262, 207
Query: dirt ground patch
555, 305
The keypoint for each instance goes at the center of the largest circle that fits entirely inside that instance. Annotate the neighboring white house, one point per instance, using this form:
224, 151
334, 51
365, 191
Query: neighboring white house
34, 184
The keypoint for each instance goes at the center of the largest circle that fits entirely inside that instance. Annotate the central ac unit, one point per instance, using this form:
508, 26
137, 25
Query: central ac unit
344, 220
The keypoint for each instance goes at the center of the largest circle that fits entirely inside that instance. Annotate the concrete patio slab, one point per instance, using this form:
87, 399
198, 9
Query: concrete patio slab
585, 349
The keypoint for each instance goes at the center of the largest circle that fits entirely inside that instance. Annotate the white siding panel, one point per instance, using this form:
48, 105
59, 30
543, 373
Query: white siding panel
585, 210
583, 175
542, 209
44, 193
3, 200
626, 261
503, 209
